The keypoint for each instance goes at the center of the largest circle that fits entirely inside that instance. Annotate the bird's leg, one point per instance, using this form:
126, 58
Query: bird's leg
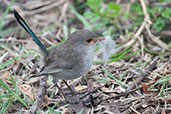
89, 84
68, 101
61, 91
71, 88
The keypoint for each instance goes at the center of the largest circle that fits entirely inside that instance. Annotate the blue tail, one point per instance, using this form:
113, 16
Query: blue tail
27, 28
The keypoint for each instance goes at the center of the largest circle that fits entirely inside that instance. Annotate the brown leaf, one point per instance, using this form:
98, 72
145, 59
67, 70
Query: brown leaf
156, 78
45, 101
145, 87
80, 88
7, 78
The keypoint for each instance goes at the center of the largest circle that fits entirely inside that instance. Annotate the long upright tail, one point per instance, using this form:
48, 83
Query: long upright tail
28, 29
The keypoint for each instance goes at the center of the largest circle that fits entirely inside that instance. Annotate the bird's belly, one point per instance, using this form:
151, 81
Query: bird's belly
74, 73
77, 71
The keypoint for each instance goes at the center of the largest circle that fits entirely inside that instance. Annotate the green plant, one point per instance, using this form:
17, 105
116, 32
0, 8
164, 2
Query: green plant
14, 95
159, 15
2, 32
101, 16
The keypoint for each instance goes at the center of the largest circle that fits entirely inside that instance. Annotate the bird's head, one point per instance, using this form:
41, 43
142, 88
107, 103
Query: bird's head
84, 38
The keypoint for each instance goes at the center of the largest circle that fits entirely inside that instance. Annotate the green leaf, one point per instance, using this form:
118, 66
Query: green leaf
94, 4
95, 19
159, 25
136, 8
112, 6
113, 14
104, 13
113, 9
88, 14
125, 15
166, 13
170, 45
98, 25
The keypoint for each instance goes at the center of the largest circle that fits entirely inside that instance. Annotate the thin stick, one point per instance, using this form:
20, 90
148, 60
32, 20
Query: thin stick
143, 74
40, 96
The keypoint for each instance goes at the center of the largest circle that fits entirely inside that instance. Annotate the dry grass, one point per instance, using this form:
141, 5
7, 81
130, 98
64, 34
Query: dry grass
111, 80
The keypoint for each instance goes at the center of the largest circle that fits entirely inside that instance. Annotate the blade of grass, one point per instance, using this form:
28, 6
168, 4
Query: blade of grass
128, 49
112, 77
2, 66
11, 30
80, 17
4, 107
131, 55
98, 62
81, 112
123, 74
51, 109
13, 93
152, 52
5, 14
102, 78
14, 83
116, 59
53, 46
162, 87
163, 81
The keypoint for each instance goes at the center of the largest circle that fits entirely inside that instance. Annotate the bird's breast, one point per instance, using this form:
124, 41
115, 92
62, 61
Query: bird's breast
86, 62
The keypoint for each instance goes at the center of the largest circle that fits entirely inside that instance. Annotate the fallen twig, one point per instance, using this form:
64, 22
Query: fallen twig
40, 96
122, 94
143, 74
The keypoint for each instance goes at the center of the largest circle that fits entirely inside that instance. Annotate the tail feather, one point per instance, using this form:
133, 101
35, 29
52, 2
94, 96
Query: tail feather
28, 29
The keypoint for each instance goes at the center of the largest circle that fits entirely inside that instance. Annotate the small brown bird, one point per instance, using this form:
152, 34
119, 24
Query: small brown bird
69, 60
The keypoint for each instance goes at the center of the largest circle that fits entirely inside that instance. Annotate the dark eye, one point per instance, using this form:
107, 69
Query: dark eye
89, 40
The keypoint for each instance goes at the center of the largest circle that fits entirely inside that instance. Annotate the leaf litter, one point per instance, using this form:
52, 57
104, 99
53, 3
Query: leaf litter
108, 92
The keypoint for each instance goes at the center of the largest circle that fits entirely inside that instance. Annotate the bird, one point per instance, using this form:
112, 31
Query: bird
69, 60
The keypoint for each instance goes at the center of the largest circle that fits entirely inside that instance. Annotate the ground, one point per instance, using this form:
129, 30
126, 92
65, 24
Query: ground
131, 72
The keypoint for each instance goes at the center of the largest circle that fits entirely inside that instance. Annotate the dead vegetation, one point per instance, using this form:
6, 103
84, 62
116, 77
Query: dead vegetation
136, 79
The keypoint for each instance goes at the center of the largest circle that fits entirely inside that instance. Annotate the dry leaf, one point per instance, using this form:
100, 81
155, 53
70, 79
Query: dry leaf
156, 78
7, 78
145, 87
27, 90
80, 88
45, 101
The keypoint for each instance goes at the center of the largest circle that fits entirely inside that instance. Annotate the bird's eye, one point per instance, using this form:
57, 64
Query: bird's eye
89, 40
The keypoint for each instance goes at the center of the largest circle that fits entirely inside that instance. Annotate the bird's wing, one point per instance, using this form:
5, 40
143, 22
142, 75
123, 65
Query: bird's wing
57, 61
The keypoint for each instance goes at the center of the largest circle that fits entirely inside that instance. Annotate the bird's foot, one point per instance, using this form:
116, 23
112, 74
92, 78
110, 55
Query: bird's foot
71, 88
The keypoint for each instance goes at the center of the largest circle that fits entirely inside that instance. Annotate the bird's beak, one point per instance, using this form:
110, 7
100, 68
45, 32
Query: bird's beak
100, 38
